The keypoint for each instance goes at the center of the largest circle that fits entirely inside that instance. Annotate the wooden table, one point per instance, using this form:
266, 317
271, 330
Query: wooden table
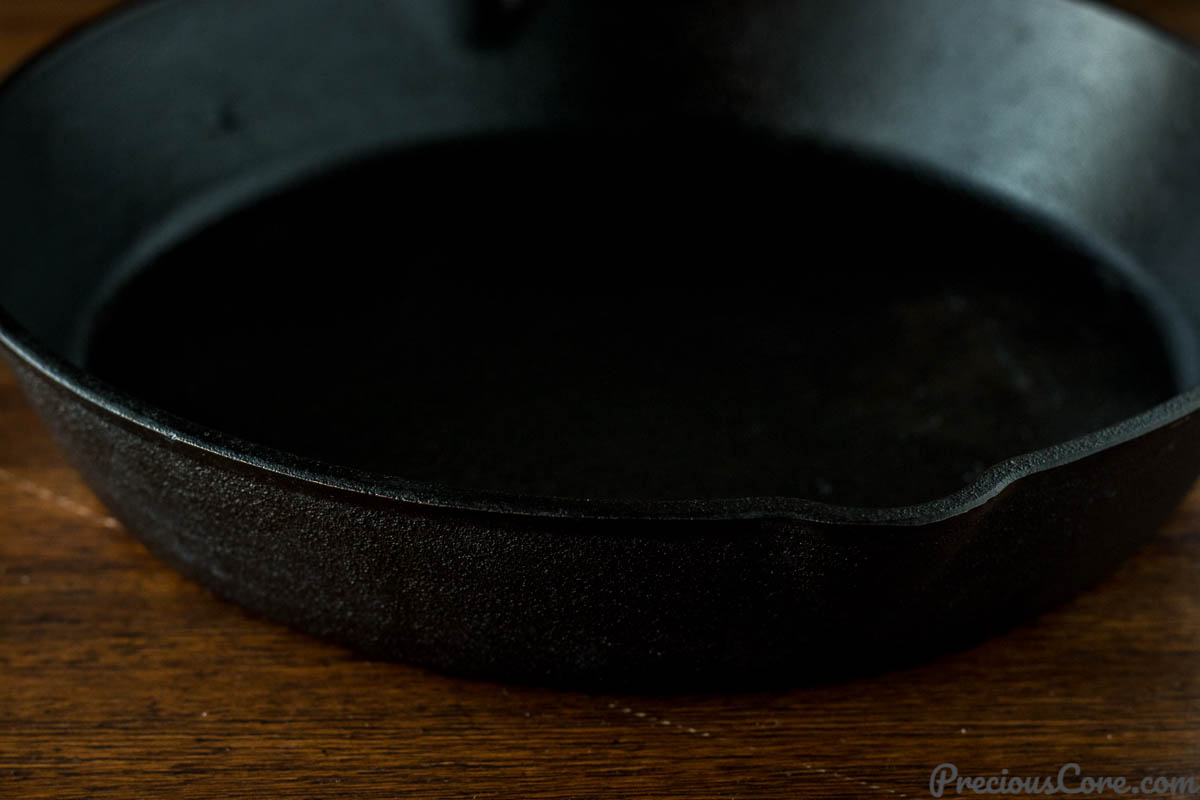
120, 679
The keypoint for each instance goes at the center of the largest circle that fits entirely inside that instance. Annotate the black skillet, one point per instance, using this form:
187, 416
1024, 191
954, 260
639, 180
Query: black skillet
609, 343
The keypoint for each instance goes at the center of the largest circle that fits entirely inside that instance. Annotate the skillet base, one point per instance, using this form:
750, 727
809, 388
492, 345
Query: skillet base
716, 315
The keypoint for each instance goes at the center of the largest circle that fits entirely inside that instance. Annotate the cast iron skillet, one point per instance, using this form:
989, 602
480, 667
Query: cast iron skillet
615, 343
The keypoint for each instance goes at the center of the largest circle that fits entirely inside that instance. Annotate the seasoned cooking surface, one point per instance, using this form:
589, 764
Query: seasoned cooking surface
701, 315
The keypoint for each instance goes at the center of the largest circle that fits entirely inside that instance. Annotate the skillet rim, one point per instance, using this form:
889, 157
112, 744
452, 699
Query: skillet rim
156, 422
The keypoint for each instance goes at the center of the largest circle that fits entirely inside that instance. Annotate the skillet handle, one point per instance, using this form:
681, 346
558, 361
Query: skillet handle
494, 23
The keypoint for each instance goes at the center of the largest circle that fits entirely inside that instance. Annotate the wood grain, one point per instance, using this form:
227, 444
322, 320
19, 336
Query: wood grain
120, 679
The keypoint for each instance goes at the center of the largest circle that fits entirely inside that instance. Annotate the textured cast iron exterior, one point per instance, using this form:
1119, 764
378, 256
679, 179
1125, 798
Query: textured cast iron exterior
620, 602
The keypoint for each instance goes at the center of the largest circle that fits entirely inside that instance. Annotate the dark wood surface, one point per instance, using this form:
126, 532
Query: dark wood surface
120, 679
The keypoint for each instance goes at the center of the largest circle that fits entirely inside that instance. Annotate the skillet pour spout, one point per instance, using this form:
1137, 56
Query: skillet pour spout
655, 346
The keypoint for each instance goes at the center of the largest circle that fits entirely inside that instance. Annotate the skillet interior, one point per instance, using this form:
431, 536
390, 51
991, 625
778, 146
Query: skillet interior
809, 323
641, 316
